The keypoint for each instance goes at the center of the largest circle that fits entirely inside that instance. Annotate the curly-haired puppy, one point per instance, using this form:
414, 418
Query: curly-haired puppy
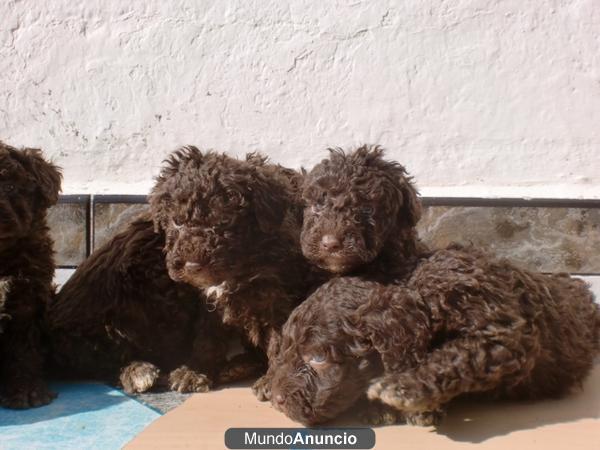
463, 323
360, 216
232, 230
29, 185
120, 316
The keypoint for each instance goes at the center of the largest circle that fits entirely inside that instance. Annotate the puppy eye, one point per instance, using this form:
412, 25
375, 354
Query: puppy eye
317, 359
8, 187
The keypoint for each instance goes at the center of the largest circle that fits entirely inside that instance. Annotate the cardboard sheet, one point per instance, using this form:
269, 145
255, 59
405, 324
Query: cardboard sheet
570, 423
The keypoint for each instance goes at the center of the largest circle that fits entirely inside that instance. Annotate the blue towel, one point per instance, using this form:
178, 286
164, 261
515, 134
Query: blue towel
84, 416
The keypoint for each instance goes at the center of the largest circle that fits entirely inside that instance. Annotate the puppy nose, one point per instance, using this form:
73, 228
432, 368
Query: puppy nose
279, 399
330, 243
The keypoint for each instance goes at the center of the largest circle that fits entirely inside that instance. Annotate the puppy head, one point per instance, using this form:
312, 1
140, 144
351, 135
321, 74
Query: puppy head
324, 365
355, 202
217, 212
28, 186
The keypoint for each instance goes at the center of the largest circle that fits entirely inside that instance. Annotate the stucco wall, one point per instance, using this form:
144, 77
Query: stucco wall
481, 97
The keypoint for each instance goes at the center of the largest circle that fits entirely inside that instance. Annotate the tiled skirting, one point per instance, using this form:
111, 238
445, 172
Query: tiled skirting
546, 235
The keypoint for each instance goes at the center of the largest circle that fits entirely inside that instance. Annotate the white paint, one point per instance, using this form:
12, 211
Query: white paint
475, 97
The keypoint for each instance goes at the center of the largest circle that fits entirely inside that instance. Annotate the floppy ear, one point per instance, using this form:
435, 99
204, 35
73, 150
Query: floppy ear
158, 200
270, 203
270, 186
159, 196
46, 176
396, 325
410, 210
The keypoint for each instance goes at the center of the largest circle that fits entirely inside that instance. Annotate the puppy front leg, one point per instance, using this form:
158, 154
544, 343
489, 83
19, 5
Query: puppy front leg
207, 359
262, 387
139, 376
377, 413
21, 380
474, 364
21, 359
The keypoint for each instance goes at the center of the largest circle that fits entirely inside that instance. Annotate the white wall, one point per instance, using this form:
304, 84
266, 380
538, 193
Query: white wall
480, 97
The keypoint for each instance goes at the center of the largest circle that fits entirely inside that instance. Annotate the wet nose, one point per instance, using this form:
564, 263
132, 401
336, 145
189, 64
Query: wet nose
330, 243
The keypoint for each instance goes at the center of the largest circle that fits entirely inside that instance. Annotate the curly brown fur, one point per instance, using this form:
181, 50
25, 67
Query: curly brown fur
360, 215
120, 316
232, 230
462, 323
29, 185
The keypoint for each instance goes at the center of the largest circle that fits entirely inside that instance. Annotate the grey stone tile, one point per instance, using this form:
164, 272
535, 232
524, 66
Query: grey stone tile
539, 238
111, 218
67, 223
162, 401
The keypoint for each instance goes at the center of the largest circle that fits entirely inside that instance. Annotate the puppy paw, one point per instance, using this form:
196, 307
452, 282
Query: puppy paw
402, 393
377, 414
184, 380
27, 396
262, 389
424, 418
139, 376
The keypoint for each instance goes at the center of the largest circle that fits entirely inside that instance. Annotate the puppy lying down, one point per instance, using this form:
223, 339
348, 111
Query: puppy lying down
462, 323
232, 231
120, 317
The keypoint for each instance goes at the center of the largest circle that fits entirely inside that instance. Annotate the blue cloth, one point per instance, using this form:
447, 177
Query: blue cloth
84, 416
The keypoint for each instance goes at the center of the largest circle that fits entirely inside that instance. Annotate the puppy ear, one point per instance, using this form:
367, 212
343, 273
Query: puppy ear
410, 210
158, 201
270, 185
160, 196
396, 325
46, 176
270, 203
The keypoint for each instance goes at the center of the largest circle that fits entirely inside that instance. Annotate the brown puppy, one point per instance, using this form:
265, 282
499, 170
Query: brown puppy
120, 316
360, 215
463, 323
232, 230
29, 185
